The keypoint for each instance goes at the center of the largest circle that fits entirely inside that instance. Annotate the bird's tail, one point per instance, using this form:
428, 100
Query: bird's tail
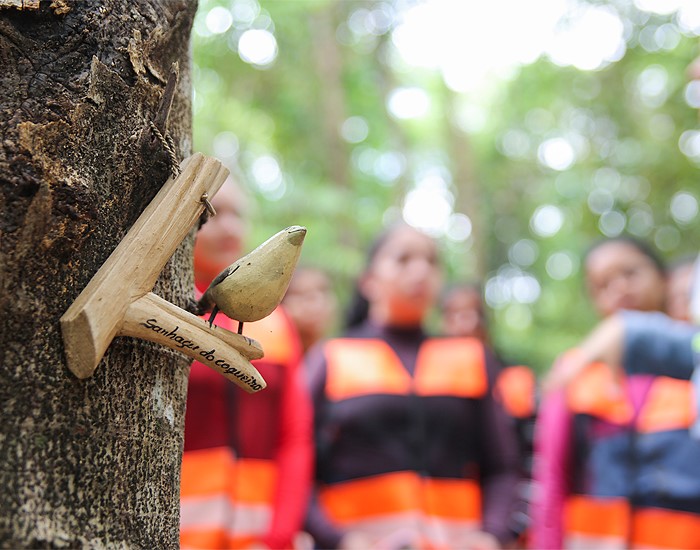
205, 304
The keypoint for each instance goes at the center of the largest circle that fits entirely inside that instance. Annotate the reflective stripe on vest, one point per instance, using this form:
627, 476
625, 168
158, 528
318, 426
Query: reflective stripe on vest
515, 390
450, 366
596, 523
224, 502
605, 523
659, 528
439, 509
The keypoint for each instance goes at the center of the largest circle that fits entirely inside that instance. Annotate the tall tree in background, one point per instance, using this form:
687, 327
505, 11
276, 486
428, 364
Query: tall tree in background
86, 462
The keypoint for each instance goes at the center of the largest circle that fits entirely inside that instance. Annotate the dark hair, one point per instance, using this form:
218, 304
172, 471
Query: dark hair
358, 306
357, 310
641, 246
685, 260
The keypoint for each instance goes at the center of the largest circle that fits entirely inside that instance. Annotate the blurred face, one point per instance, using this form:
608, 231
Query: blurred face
220, 241
311, 304
621, 277
403, 280
463, 314
680, 281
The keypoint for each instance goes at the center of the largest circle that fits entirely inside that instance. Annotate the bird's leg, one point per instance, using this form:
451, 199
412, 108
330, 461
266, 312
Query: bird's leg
240, 327
213, 315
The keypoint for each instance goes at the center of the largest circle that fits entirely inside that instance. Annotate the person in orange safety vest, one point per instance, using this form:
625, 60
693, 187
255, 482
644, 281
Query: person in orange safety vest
617, 465
247, 461
311, 304
412, 449
462, 313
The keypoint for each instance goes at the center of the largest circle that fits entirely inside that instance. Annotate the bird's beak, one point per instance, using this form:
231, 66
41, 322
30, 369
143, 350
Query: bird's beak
296, 234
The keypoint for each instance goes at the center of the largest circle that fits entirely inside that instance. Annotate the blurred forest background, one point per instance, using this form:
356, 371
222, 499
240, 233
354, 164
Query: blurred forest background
517, 132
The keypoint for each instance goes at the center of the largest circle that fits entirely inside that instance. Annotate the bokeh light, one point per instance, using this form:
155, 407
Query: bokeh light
600, 201
354, 129
547, 220
556, 153
389, 166
267, 174
591, 40
561, 265
641, 219
612, 223
515, 144
667, 238
406, 103
226, 146
689, 144
689, 17
692, 94
219, 20
429, 205
459, 227
652, 84
257, 47
684, 207
659, 6
244, 12
523, 253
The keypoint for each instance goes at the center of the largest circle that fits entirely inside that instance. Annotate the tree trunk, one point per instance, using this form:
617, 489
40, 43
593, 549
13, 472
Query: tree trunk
91, 462
469, 200
329, 63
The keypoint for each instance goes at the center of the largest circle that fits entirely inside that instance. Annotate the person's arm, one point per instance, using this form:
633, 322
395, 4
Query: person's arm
500, 460
656, 344
550, 472
638, 342
325, 533
604, 344
294, 461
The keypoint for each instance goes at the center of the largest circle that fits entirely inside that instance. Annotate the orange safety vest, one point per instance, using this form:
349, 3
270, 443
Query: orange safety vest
432, 510
227, 501
650, 453
515, 390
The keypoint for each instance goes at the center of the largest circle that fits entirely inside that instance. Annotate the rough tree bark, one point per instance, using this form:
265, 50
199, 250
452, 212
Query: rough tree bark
91, 462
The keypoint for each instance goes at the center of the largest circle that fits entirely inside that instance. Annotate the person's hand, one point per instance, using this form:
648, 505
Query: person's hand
355, 540
405, 538
303, 541
605, 344
401, 539
565, 368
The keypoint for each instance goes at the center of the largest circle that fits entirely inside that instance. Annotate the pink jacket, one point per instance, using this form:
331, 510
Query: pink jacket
550, 471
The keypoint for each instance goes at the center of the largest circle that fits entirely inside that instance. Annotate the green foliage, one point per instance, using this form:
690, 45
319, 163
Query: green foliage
628, 164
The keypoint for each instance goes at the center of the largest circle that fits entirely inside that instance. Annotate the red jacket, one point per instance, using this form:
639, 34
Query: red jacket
248, 457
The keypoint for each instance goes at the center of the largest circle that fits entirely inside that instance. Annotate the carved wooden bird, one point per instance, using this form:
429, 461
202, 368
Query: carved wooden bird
253, 286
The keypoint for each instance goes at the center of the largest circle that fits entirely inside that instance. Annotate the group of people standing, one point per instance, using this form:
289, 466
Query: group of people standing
388, 437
